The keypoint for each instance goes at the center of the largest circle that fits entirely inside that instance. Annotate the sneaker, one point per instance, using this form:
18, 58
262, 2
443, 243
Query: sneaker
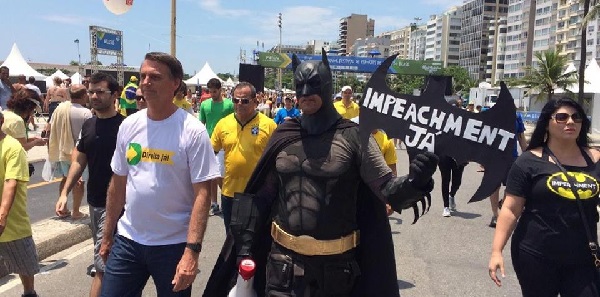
215, 210
91, 270
452, 203
34, 294
493, 222
446, 212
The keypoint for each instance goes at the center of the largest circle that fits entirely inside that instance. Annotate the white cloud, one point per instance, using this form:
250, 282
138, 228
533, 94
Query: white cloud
215, 7
299, 25
388, 23
442, 3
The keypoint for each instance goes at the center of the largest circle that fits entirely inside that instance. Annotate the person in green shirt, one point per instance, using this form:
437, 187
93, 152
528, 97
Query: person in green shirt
211, 111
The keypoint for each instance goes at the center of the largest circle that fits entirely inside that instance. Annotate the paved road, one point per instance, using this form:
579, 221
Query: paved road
41, 196
435, 257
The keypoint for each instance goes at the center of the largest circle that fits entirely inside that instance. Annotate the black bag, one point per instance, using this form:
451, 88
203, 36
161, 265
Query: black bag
31, 169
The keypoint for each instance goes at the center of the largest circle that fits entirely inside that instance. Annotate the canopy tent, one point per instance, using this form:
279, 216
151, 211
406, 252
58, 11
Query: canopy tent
570, 68
76, 78
229, 83
18, 66
592, 79
50, 79
202, 77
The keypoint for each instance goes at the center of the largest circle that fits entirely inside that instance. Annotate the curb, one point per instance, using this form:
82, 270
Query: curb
54, 235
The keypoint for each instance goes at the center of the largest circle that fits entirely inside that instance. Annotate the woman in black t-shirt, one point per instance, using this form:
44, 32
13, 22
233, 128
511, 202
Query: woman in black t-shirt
549, 245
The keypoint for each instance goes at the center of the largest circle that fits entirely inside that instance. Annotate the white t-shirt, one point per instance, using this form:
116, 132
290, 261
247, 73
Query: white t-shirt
78, 115
161, 159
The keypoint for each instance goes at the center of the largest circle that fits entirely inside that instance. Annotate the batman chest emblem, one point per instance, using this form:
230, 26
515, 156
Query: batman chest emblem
585, 184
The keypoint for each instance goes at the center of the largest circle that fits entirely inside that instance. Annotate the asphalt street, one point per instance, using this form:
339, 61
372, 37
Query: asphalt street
42, 196
437, 256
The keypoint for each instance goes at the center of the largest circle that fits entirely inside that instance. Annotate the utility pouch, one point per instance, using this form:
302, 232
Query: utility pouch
280, 272
339, 277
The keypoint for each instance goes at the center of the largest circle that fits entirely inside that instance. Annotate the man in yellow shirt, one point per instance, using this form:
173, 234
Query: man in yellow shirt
17, 249
346, 107
243, 135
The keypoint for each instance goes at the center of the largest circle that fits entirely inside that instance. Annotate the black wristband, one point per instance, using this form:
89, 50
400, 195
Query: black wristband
195, 247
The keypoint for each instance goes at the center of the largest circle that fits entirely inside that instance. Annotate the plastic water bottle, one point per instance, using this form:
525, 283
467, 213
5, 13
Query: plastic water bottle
244, 286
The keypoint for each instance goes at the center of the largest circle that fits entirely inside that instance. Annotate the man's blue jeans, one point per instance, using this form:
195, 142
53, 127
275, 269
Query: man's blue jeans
130, 264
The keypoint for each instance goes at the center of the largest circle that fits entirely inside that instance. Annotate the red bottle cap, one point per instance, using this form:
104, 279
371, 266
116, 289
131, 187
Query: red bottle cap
247, 269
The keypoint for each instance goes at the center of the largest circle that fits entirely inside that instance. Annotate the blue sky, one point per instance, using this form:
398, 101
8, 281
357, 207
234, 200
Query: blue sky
211, 31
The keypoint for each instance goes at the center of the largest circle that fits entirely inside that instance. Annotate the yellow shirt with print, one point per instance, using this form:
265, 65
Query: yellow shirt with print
387, 147
243, 147
13, 165
183, 103
347, 112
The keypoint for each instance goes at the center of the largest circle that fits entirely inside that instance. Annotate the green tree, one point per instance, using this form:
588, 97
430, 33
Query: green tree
74, 63
548, 74
462, 81
225, 76
287, 78
186, 76
405, 84
349, 80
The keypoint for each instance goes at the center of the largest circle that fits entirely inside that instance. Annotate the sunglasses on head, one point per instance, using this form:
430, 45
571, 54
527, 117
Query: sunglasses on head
138, 97
563, 117
241, 100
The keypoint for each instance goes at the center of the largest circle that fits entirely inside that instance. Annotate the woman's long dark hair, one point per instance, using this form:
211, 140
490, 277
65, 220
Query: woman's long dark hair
538, 138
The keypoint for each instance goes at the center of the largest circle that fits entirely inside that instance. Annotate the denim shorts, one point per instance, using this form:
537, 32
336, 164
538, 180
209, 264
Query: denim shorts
130, 264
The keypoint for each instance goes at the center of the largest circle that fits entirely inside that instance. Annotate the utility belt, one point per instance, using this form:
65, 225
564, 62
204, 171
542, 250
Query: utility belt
309, 246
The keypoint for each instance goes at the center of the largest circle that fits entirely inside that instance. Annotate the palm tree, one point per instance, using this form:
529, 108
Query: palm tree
548, 74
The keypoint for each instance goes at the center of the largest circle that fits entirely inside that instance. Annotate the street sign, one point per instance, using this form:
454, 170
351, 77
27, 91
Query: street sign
353, 64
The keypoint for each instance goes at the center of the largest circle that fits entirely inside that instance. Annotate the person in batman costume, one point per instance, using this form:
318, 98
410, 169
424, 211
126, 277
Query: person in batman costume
313, 213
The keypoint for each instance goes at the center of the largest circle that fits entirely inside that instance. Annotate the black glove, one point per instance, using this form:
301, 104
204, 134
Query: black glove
422, 167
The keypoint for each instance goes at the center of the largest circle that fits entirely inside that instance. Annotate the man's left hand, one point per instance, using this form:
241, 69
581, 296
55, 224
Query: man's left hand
186, 271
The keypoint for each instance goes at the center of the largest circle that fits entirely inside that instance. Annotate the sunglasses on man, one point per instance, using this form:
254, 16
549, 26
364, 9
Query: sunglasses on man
240, 100
563, 117
139, 97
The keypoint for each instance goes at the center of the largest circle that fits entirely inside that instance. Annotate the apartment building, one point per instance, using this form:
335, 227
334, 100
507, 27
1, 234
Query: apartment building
416, 47
399, 42
474, 40
442, 42
353, 27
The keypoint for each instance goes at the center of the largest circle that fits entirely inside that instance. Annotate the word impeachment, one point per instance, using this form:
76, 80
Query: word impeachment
424, 117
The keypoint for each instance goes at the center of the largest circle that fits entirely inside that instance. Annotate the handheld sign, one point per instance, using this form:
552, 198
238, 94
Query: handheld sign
428, 122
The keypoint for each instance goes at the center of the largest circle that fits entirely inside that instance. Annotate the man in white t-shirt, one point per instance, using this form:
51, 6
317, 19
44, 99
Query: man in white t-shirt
163, 165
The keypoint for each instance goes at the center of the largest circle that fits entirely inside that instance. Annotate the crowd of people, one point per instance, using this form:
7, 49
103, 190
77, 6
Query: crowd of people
290, 169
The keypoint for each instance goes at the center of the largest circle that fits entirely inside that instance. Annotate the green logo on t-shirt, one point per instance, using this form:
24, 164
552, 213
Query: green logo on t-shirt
134, 153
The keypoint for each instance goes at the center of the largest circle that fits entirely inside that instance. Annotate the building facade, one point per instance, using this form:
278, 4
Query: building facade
352, 28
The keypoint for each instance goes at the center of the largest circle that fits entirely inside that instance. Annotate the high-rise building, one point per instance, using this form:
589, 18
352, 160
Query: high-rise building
416, 48
443, 37
474, 41
399, 42
518, 52
494, 70
353, 27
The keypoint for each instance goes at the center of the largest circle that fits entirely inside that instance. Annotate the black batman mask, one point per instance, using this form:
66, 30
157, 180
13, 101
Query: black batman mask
314, 78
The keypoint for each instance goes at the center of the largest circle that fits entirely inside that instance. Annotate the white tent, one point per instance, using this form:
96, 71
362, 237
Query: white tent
202, 77
17, 65
592, 79
76, 78
570, 68
50, 79
229, 83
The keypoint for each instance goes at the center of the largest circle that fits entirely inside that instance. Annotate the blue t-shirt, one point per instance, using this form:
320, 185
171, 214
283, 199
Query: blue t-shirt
519, 128
283, 113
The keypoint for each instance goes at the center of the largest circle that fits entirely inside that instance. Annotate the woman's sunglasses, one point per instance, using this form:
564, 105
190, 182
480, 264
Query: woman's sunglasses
563, 117
138, 98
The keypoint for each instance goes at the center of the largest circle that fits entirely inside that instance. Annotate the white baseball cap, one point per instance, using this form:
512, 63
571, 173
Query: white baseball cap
344, 88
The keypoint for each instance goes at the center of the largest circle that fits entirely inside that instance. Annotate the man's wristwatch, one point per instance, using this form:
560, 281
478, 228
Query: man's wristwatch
195, 247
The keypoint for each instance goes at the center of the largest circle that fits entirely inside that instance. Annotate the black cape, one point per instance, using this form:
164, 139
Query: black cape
375, 253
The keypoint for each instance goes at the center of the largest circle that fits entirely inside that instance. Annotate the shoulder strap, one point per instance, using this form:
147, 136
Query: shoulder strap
591, 242
587, 158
